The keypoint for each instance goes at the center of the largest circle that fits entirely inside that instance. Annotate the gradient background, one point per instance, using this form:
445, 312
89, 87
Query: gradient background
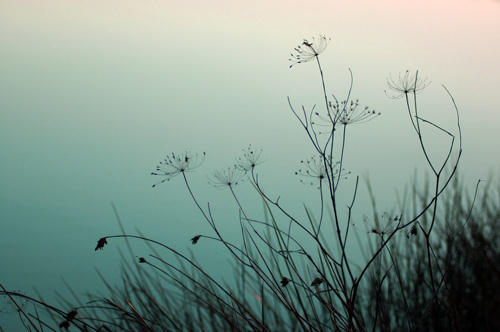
94, 93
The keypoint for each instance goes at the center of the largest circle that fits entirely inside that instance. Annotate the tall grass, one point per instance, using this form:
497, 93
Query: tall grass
295, 271
465, 255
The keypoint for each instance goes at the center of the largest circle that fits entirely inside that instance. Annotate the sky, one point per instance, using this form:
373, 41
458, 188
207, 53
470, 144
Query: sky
94, 93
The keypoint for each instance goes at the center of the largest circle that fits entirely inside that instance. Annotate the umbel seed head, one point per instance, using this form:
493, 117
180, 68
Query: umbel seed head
175, 164
308, 50
406, 83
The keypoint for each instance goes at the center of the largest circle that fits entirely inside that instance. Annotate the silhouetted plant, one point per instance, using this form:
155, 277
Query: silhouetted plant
465, 256
300, 280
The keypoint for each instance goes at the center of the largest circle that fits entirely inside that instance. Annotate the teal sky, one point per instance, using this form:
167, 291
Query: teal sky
93, 94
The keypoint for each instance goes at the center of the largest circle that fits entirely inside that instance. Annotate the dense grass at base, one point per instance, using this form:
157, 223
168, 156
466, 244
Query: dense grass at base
161, 295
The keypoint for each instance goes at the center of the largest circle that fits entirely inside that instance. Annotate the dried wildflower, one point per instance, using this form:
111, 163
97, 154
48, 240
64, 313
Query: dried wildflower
344, 112
309, 50
377, 231
406, 83
195, 239
249, 160
285, 281
384, 224
176, 164
317, 281
314, 167
101, 243
228, 177
69, 317
413, 231
350, 113
383, 230
64, 325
